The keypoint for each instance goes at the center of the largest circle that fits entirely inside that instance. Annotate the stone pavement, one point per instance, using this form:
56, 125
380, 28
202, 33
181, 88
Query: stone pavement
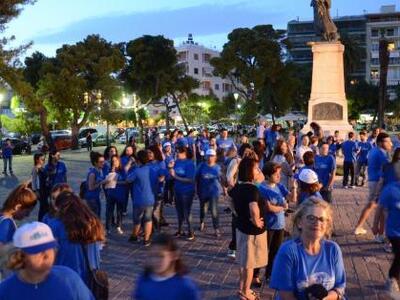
366, 262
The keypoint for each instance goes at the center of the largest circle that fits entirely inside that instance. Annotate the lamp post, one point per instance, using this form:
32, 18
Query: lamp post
100, 101
125, 103
237, 105
2, 97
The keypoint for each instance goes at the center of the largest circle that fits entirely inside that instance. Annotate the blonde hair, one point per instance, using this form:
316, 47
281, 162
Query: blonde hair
304, 207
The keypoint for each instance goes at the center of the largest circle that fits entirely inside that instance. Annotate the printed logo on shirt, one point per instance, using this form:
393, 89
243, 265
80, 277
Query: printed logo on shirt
317, 278
180, 171
208, 176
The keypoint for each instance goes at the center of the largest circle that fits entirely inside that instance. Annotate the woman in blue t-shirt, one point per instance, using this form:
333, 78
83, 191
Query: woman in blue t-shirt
94, 181
55, 169
35, 276
183, 173
115, 192
165, 277
208, 182
128, 162
55, 191
76, 229
310, 266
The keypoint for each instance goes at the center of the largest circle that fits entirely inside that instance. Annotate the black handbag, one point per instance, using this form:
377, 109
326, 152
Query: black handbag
97, 280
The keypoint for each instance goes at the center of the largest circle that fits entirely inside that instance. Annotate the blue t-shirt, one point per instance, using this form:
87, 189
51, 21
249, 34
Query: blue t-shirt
270, 138
182, 142
158, 169
225, 144
362, 157
377, 158
106, 168
303, 196
324, 166
174, 288
203, 144
390, 200
70, 254
190, 141
349, 149
7, 151
294, 269
47, 218
276, 196
124, 161
119, 192
7, 229
57, 173
208, 181
62, 283
184, 168
142, 187
372, 141
94, 194
332, 149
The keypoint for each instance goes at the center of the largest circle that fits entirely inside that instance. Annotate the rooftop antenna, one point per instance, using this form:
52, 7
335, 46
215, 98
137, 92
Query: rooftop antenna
298, 18
337, 13
364, 11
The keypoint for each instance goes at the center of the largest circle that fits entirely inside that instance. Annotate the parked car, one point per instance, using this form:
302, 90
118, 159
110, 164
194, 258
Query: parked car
99, 139
35, 138
20, 146
131, 132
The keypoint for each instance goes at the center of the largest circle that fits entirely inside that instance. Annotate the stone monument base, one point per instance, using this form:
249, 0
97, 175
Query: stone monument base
328, 104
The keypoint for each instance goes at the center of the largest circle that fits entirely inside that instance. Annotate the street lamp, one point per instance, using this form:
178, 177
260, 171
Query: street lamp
2, 98
125, 104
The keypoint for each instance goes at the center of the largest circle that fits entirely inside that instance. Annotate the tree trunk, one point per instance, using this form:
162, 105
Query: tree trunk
180, 112
45, 129
74, 133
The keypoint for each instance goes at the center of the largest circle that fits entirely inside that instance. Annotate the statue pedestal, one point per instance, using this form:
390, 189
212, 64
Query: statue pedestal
328, 104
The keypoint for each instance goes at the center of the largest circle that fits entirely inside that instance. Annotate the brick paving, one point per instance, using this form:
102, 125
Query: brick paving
366, 263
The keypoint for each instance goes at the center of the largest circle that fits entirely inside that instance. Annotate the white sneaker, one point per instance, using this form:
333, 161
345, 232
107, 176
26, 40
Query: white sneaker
119, 230
379, 239
360, 231
392, 287
232, 254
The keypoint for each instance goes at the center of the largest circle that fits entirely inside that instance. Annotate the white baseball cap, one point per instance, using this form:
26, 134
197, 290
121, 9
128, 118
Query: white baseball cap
34, 237
167, 144
211, 152
308, 176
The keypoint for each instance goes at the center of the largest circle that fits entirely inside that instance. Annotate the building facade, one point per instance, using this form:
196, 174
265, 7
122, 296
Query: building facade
365, 30
196, 59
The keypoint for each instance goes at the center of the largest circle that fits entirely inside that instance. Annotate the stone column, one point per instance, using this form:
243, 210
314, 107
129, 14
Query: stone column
328, 104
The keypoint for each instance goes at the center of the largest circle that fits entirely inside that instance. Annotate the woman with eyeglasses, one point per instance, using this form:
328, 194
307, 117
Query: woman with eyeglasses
310, 266
39, 184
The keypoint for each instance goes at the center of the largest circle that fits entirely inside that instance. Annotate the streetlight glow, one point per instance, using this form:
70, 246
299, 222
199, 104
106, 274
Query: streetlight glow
236, 96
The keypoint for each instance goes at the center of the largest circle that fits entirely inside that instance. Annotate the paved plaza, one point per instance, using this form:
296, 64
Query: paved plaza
366, 263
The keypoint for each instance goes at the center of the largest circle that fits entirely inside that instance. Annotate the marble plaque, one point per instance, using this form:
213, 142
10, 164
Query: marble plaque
327, 111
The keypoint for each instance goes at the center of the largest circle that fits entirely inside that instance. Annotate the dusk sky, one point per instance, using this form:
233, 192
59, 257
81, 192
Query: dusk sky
51, 23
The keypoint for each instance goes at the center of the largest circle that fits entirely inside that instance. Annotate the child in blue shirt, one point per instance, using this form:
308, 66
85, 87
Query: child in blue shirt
325, 167
7, 151
362, 158
274, 195
165, 277
350, 150
143, 198
208, 180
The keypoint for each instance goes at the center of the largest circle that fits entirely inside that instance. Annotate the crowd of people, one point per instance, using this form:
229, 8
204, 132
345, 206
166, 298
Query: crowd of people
265, 184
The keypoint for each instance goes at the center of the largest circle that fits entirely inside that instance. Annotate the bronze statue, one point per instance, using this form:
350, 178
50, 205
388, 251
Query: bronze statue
323, 23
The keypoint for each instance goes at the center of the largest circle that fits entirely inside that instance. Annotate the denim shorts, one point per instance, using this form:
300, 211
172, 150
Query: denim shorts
144, 213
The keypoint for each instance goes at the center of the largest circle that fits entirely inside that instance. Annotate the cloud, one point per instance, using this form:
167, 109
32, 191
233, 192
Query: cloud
202, 20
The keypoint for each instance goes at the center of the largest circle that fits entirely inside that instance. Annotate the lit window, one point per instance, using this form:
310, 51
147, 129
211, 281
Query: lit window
391, 46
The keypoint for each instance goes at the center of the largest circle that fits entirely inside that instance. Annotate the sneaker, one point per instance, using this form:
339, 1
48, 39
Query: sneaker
379, 239
119, 230
360, 231
147, 243
345, 186
388, 248
392, 287
190, 236
232, 254
133, 238
352, 187
178, 234
202, 226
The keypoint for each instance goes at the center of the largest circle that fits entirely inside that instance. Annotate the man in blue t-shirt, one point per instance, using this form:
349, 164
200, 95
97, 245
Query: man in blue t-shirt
224, 142
325, 167
377, 158
362, 157
350, 150
7, 151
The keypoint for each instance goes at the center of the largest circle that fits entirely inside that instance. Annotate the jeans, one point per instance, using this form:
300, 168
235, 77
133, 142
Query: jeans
348, 169
326, 194
183, 205
212, 203
169, 194
7, 160
95, 206
274, 240
113, 201
360, 172
394, 271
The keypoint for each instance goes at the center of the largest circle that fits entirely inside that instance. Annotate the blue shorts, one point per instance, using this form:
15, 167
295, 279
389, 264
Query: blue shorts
144, 213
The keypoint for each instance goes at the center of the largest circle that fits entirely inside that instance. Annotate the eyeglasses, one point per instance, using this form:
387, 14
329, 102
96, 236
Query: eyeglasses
313, 219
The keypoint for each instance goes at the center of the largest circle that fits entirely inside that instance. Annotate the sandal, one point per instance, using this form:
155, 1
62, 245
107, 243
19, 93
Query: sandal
256, 282
244, 297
